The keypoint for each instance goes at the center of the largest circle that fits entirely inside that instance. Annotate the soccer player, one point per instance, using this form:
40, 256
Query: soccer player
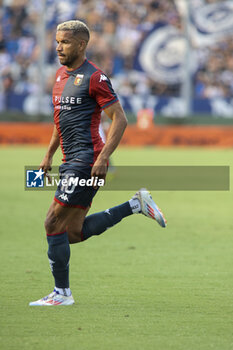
81, 91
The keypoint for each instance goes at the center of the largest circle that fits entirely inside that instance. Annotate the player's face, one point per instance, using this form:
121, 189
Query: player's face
69, 48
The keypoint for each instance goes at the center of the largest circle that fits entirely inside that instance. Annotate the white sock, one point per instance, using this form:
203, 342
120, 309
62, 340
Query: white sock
64, 291
135, 205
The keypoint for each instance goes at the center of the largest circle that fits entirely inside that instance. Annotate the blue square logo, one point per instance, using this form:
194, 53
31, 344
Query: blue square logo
35, 178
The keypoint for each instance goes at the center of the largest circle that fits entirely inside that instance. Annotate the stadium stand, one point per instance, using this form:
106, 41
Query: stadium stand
119, 28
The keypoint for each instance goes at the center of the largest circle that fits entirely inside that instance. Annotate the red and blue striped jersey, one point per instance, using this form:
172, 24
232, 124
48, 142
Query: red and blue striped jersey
79, 96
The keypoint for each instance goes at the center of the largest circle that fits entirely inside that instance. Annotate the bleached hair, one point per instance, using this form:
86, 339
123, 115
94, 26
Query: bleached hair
77, 27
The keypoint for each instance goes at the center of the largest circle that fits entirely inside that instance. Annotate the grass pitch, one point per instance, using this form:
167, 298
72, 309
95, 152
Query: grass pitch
137, 286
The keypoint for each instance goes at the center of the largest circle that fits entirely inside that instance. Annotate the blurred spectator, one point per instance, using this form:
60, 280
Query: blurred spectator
118, 27
215, 75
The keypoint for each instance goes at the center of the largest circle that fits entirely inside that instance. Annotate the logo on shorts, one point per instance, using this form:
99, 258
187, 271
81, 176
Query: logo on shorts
64, 197
78, 79
35, 178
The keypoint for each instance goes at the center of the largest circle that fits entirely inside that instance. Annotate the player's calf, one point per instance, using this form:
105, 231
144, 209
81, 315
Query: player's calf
141, 202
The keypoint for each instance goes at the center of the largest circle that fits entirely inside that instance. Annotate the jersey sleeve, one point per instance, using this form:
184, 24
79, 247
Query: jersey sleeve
101, 90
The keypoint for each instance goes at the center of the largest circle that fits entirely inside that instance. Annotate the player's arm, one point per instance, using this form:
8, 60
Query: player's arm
53, 146
119, 122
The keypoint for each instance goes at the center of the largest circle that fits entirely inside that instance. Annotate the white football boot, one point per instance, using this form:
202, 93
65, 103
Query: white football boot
53, 299
148, 207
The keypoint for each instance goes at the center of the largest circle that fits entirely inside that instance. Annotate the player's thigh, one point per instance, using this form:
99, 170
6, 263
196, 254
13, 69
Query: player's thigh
75, 219
75, 224
72, 201
60, 218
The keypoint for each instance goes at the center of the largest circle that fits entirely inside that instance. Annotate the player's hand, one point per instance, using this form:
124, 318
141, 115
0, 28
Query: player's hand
46, 166
100, 169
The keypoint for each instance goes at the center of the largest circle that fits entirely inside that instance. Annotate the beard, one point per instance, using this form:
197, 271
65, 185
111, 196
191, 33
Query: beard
67, 60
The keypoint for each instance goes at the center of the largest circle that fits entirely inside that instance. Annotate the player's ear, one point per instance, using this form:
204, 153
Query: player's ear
82, 44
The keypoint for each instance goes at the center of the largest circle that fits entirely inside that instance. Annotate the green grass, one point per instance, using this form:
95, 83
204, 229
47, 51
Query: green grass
137, 286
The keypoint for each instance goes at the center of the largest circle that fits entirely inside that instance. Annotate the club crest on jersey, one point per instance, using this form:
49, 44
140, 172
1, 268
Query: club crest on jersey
78, 79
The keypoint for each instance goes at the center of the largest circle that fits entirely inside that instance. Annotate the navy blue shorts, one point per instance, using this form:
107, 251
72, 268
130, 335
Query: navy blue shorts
71, 192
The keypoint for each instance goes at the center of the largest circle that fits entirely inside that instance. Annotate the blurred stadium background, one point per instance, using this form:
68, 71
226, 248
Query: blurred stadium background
173, 58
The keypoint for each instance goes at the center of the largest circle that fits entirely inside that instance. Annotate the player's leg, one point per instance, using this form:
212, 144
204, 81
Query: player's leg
59, 217
96, 224
56, 224
66, 225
